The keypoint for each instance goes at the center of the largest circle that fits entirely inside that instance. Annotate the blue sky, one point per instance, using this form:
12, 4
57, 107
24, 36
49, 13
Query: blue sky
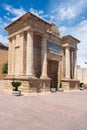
70, 16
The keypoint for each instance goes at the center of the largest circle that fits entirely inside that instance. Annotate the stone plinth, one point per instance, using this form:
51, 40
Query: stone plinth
30, 85
70, 84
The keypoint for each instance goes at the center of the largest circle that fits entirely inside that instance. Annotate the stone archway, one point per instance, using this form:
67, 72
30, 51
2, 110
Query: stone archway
52, 70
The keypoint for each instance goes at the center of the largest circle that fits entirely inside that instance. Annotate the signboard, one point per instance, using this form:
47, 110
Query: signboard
54, 47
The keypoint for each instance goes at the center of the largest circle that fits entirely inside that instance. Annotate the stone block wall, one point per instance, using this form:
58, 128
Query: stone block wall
70, 84
82, 74
31, 85
3, 59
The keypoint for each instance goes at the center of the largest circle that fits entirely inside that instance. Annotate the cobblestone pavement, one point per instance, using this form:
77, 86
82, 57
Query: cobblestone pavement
57, 111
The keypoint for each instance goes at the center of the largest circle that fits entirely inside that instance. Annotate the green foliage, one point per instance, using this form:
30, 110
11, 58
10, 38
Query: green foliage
16, 84
60, 86
81, 84
5, 68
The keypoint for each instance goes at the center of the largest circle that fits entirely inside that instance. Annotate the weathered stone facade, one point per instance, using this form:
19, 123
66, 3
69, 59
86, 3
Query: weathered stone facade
39, 55
3, 58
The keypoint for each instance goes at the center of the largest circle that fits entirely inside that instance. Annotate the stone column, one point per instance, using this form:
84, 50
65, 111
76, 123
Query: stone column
9, 57
22, 53
71, 64
44, 57
13, 56
62, 62
67, 63
29, 56
75, 64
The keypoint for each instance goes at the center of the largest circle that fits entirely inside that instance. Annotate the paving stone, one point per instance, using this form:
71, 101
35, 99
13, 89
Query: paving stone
51, 111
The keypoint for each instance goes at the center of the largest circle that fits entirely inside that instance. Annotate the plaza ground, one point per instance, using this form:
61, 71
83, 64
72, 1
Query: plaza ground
50, 111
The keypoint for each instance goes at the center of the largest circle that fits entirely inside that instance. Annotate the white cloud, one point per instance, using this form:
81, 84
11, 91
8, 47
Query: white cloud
37, 13
3, 23
6, 20
66, 13
41, 14
3, 39
16, 12
68, 10
80, 32
19, 12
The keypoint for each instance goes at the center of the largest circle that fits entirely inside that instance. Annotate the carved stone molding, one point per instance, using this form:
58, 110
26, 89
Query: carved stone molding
54, 30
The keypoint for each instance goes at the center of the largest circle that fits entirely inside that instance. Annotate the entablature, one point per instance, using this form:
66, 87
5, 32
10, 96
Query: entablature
55, 48
36, 23
73, 46
54, 56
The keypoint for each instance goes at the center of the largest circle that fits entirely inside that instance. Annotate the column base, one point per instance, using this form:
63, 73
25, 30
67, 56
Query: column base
70, 84
10, 76
67, 78
44, 77
30, 76
75, 79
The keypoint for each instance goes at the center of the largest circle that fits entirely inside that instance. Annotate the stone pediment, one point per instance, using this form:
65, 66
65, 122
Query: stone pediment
69, 38
73, 45
37, 24
70, 41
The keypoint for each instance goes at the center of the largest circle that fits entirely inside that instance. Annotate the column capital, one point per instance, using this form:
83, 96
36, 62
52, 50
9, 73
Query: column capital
12, 37
66, 45
22, 34
28, 29
75, 50
44, 36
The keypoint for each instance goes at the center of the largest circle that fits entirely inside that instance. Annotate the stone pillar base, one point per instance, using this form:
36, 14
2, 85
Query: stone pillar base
45, 77
9, 76
70, 84
30, 85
